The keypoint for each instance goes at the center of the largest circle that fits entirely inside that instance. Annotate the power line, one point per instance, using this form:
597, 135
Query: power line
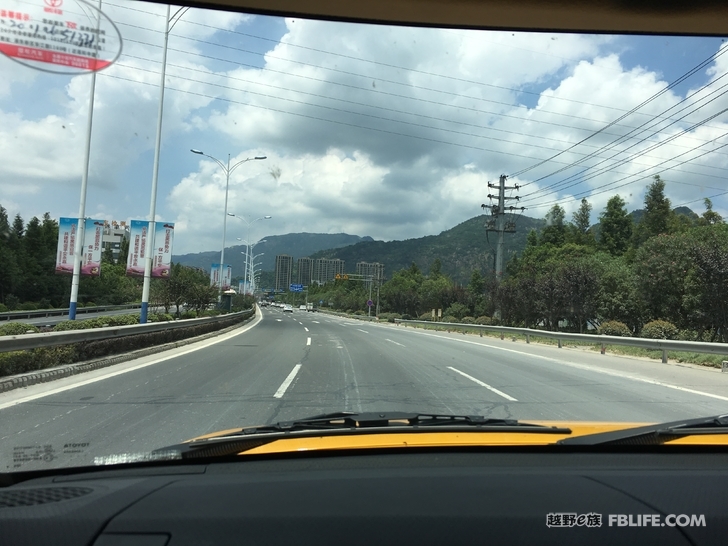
681, 79
560, 185
606, 189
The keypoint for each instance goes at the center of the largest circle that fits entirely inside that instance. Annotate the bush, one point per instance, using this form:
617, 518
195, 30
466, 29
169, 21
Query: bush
188, 315
160, 317
614, 328
692, 335
450, 318
426, 316
456, 310
3, 308
389, 317
90, 304
484, 320
659, 329
406, 317
12, 302
359, 313
17, 329
468, 320
27, 306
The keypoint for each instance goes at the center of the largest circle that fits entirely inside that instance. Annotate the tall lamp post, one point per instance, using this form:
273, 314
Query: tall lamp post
227, 169
252, 270
155, 169
247, 242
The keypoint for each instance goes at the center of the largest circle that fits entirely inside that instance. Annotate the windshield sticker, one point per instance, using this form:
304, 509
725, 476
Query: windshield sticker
58, 36
46, 453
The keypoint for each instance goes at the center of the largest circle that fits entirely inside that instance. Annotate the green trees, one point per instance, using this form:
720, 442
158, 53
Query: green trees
616, 227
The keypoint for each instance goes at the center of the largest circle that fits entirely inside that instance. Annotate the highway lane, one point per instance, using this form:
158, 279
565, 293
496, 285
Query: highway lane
298, 364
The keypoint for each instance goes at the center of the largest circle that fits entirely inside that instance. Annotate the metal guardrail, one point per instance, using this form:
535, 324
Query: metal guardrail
12, 315
53, 339
345, 315
663, 345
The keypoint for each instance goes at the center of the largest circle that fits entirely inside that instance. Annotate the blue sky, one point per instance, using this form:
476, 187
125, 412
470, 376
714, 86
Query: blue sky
391, 132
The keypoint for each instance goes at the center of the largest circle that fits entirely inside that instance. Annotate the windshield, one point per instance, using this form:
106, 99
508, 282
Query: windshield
349, 218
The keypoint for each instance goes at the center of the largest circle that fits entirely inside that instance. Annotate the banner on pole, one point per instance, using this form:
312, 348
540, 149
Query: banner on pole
93, 234
67, 231
163, 238
138, 235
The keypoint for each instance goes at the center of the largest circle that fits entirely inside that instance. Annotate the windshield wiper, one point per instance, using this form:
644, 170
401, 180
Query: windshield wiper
653, 434
341, 423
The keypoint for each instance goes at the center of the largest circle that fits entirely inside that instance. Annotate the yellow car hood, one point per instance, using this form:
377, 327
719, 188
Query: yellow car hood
383, 439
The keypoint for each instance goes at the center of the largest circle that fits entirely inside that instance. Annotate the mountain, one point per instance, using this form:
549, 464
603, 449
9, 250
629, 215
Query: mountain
294, 244
462, 249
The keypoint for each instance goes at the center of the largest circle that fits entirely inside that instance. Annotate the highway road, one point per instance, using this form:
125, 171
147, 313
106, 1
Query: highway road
284, 366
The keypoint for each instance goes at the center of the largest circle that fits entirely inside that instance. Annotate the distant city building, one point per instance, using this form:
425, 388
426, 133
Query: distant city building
325, 270
305, 271
374, 270
114, 233
284, 265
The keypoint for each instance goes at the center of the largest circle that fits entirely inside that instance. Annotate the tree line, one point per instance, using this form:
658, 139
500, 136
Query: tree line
28, 280
667, 271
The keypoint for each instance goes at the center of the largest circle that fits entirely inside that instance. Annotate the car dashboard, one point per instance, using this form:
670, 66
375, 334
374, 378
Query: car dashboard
403, 497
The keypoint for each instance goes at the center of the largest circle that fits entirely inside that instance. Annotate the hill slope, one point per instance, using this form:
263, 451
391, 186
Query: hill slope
293, 244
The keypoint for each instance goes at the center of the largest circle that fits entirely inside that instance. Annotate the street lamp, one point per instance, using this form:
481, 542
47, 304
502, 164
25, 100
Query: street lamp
247, 243
252, 267
155, 169
227, 170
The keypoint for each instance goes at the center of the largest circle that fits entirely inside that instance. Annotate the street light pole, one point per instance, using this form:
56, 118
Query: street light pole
227, 169
248, 249
151, 231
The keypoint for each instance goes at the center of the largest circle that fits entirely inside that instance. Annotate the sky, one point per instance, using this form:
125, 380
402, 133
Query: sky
390, 132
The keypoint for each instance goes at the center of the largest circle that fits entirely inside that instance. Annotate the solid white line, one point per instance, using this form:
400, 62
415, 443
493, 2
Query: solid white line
394, 342
301, 323
305, 328
203, 345
362, 330
287, 382
586, 368
279, 320
479, 382
315, 322
308, 342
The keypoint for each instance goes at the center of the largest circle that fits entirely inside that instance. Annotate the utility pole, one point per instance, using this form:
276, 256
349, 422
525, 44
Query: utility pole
498, 223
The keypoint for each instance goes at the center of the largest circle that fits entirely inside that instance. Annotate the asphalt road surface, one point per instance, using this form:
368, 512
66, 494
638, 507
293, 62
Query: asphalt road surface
284, 366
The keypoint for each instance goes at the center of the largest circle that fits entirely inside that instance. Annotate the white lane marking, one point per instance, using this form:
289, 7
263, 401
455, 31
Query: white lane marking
394, 342
587, 368
315, 322
203, 345
287, 382
308, 342
479, 382
279, 320
362, 330
305, 328
301, 323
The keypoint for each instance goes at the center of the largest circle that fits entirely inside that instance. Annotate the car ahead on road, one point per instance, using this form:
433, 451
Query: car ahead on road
287, 309
302, 308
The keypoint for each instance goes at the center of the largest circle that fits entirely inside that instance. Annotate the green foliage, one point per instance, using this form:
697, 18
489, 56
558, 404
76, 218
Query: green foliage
658, 217
450, 318
555, 232
3, 308
487, 321
659, 329
17, 328
457, 310
616, 227
426, 316
12, 302
98, 322
614, 328
188, 315
160, 317
468, 320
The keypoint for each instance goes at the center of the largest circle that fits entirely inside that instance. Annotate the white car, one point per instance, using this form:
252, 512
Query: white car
287, 309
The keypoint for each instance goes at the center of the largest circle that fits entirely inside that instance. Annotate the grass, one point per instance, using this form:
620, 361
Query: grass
703, 359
